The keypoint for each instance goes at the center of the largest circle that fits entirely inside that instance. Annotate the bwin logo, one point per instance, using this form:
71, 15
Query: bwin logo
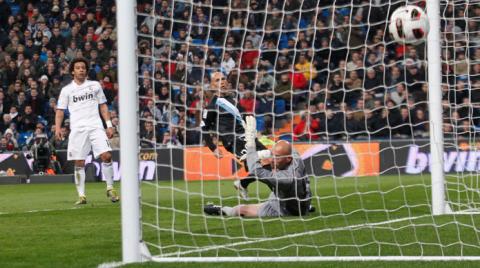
86, 96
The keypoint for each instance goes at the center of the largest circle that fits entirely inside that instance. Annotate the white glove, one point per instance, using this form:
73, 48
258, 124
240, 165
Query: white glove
250, 131
264, 154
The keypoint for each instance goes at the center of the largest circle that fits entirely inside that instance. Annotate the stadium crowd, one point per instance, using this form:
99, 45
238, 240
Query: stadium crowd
308, 71
38, 39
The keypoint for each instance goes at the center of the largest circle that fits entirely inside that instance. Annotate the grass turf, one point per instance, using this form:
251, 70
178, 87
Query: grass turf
40, 227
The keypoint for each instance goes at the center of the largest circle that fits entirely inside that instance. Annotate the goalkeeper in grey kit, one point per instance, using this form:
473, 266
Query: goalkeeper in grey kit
287, 179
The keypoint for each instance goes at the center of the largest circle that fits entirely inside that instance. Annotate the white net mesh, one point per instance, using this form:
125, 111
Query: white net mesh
326, 76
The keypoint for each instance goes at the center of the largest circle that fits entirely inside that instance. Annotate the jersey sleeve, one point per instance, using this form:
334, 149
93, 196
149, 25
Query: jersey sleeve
209, 119
62, 103
208, 124
101, 95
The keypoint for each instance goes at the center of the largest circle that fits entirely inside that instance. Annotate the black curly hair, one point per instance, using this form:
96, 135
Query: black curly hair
75, 61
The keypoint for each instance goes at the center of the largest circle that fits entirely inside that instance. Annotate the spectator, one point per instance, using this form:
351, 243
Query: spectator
336, 92
153, 110
402, 126
80, 10
304, 66
354, 126
62, 143
298, 80
377, 122
335, 122
20, 102
57, 39
11, 141
44, 86
247, 102
228, 63
103, 53
420, 124
249, 56
373, 83
169, 141
307, 129
400, 95
415, 78
28, 119
4, 103
72, 50
264, 81
147, 135
283, 88
317, 94
36, 101
6, 120
254, 38
355, 85
4, 146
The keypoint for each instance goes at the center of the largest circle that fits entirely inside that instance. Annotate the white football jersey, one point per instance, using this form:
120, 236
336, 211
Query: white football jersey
82, 102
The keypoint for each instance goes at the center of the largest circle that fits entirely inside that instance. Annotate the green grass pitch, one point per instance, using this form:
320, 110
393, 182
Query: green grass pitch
40, 226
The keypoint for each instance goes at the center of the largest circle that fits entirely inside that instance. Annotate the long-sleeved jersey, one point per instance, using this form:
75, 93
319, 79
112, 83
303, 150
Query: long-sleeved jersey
291, 186
223, 118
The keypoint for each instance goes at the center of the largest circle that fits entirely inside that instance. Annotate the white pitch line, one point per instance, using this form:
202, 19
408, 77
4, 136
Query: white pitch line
111, 264
38, 210
159, 257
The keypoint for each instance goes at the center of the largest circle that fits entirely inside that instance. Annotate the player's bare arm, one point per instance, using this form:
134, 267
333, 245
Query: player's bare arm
106, 116
59, 114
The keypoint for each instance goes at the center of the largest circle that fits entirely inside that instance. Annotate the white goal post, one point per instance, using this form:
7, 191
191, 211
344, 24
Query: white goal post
357, 219
129, 141
439, 206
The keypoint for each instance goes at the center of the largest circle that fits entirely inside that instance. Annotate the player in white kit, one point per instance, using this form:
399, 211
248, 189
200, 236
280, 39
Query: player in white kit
82, 98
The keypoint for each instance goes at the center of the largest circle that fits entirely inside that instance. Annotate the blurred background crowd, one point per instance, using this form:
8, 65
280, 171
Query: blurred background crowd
308, 70
38, 39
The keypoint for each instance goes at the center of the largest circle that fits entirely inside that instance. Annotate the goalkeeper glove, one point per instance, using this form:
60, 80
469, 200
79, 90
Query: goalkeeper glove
264, 154
250, 127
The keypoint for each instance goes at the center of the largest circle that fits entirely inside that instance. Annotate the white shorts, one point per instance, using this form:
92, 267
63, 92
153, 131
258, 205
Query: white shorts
80, 142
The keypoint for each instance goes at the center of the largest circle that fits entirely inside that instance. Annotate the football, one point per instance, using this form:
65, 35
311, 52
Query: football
409, 24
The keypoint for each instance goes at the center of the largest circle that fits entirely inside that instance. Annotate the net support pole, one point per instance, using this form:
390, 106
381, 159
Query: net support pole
127, 67
435, 108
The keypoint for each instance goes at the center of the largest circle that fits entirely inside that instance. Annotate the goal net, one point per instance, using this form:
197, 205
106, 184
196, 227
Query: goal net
326, 76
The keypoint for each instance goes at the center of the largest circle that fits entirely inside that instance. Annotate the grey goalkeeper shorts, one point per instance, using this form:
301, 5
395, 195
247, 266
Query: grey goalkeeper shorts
271, 208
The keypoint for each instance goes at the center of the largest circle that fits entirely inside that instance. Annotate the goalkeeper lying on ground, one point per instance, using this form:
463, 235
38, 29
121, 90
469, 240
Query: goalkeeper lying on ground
287, 179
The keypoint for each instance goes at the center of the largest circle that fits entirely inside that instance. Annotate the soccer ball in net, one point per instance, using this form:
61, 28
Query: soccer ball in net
409, 24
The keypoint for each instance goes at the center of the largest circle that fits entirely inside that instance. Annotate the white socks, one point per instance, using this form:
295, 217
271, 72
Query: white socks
107, 171
229, 211
80, 180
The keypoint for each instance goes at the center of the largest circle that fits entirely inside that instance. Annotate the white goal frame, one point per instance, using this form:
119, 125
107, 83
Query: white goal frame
133, 249
127, 77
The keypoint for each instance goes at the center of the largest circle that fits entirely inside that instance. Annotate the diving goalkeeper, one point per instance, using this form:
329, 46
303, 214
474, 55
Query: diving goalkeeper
288, 181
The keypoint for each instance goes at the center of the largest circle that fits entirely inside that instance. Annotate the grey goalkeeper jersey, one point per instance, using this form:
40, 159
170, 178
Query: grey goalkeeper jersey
291, 186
